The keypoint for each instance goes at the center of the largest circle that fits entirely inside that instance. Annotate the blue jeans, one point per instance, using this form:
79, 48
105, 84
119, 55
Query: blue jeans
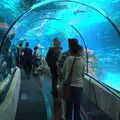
73, 104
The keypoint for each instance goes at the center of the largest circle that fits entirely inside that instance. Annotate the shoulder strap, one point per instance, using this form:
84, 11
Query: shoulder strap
71, 71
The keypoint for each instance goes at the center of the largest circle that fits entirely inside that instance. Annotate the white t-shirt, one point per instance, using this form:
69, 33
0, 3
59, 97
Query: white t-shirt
78, 70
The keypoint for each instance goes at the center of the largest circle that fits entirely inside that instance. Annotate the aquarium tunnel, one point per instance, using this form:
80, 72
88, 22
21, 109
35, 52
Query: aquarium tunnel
94, 23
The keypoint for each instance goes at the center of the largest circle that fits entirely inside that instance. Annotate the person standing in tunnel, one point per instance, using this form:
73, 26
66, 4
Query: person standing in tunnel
73, 72
19, 55
27, 59
51, 59
71, 42
36, 62
63, 56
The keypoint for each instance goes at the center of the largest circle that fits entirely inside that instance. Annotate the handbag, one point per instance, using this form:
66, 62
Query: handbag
66, 91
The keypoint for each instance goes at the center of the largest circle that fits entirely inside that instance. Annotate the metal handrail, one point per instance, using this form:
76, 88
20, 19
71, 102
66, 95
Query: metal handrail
105, 86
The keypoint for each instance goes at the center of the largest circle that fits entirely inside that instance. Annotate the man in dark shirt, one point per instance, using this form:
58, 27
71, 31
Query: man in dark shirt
27, 59
51, 58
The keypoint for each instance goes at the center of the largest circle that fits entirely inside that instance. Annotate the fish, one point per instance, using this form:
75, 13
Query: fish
79, 11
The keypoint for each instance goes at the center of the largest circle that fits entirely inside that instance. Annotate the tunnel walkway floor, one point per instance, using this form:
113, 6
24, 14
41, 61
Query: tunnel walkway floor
31, 104
36, 102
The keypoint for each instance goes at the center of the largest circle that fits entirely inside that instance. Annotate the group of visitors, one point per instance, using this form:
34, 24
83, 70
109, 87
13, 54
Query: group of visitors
27, 59
69, 67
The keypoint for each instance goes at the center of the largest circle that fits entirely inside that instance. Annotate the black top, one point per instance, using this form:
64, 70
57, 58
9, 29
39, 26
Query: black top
52, 55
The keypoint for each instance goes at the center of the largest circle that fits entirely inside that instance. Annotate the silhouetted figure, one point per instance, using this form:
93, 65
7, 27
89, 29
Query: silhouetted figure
36, 61
76, 81
19, 55
9, 59
27, 59
51, 58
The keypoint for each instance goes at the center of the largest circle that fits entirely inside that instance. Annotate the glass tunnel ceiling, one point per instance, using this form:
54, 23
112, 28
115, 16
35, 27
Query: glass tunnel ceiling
66, 19
37, 22
14, 8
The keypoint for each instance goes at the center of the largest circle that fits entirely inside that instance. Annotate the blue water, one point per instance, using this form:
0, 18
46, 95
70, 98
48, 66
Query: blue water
112, 79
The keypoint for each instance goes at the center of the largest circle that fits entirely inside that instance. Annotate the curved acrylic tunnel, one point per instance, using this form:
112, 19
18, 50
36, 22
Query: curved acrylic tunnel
92, 23
95, 31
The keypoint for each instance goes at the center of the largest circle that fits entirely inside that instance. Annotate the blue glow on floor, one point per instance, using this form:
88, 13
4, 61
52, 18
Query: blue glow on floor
46, 89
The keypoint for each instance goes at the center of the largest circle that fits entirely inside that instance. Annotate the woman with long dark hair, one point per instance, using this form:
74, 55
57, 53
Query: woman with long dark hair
76, 63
